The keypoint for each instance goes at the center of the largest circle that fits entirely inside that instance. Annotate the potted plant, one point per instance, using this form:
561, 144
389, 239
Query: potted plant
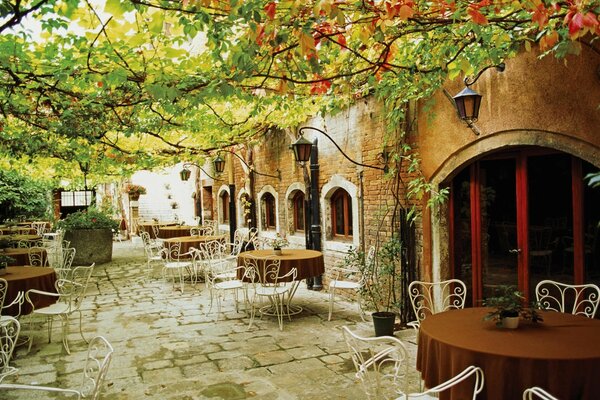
508, 307
91, 234
381, 279
4, 261
134, 191
278, 243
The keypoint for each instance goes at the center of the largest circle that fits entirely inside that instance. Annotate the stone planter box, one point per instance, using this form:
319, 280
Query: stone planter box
92, 245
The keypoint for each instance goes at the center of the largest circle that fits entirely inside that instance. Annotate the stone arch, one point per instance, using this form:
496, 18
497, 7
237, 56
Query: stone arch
259, 207
497, 141
334, 183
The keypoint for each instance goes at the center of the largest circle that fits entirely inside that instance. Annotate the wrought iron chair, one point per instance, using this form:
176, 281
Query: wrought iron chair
70, 295
429, 298
266, 283
64, 271
381, 364
348, 278
535, 392
562, 297
98, 359
40, 227
221, 277
471, 373
9, 335
177, 263
38, 257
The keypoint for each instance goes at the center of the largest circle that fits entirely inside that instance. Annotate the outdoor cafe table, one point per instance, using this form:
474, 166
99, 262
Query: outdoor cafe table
23, 278
166, 232
188, 242
560, 354
21, 255
147, 226
308, 263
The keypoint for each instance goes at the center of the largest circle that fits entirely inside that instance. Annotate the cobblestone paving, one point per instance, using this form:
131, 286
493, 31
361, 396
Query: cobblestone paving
166, 347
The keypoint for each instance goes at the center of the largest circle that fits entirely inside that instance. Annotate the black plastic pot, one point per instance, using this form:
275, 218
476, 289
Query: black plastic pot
383, 322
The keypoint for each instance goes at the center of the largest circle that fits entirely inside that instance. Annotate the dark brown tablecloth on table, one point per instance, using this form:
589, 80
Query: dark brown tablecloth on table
309, 263
188, 242
561, 354
167, 232
21, 255
24, 278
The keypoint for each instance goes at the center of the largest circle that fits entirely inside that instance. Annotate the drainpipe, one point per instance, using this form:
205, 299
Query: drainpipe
361, 208
232, 212
315, 208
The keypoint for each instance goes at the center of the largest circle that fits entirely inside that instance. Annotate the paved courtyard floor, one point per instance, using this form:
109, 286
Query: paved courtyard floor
166, 347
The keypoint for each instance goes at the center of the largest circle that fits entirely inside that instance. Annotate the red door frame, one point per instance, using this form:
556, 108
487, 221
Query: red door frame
522, 205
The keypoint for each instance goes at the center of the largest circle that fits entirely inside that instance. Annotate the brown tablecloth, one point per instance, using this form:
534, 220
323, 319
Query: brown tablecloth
309, 263
21, 279
167, 232
147, 227
18, 230
561, 354
16, 238
21, 255
188, 242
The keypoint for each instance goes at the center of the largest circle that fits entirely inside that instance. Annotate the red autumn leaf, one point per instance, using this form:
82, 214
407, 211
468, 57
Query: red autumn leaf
270, 9
590, 20
575, 25
320, 87
100, 84
342, 40
477, 17
260, 33
540, 16
549, 40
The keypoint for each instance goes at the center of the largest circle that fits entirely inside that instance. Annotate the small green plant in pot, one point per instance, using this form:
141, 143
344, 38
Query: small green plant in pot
4, 261
508, 306
381, 281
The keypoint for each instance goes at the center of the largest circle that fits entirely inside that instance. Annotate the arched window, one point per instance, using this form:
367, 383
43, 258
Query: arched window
341, 214
268, 206
298, 209
224, 207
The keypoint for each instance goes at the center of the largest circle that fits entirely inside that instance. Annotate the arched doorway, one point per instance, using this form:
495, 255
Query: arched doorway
520, 216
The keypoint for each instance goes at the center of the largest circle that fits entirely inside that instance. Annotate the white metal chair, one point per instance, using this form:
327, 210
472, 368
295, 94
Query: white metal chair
348, 278
38, 257
471, 373
70, 295
9, 335
99, 355
17, 301
64, 271
562, 297
430, 298
178, 264
3, 290
40, 227
266, 283
535, 392
381, 364
221, 277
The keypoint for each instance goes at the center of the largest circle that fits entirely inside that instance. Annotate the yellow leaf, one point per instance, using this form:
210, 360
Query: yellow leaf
406, 12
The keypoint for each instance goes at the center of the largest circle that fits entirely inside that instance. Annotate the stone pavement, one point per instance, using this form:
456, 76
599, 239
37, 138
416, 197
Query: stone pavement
166, 347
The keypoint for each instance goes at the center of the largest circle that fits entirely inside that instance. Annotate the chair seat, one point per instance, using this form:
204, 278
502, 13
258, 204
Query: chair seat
180, 264
344, 284
225, 285
271, 290
53, 309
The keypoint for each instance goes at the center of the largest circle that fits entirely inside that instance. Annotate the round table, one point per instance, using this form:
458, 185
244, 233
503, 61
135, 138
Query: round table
21, 255
308, 263
23, 278
16, 238
188, 242
148, 227
560, 354
167, 232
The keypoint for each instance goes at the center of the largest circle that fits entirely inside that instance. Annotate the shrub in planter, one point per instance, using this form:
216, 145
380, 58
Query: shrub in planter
90, 233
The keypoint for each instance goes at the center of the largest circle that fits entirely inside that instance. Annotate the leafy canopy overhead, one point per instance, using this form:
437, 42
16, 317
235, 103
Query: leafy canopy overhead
139, 83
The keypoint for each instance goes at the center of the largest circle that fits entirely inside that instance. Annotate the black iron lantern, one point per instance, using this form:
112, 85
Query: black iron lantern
219, 164
302, 148
467, 104
184, 174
